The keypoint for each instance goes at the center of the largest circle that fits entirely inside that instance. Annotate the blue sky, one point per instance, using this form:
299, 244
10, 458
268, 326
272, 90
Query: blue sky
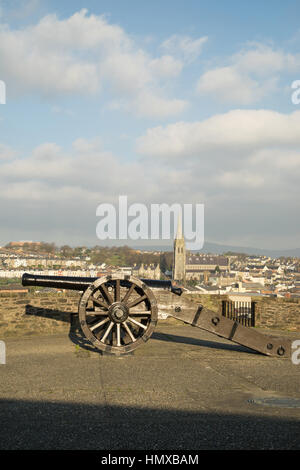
161, 101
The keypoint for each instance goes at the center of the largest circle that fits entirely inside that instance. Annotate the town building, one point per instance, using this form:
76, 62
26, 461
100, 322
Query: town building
189, 266
146, 271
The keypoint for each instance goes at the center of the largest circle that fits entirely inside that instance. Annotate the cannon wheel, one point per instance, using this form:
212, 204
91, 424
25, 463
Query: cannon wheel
117, 313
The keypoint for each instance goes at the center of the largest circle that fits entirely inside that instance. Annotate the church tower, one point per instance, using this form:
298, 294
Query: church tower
179, 254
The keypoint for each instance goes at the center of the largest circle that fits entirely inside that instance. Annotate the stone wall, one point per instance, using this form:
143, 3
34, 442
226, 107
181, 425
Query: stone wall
33, 313
273, 313
280, 313
50, 313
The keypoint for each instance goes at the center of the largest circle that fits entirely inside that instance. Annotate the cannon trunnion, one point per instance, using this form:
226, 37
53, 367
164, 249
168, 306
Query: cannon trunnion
118, 313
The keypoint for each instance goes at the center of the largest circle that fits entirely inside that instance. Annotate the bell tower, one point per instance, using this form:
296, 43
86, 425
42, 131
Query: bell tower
179, 254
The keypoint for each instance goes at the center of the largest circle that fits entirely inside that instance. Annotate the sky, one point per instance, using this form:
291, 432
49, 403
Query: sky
164, 102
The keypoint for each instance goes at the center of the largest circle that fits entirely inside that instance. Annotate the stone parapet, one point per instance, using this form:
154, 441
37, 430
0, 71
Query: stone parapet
50, 313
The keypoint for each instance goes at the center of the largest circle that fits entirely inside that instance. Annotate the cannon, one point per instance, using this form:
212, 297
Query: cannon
118, 313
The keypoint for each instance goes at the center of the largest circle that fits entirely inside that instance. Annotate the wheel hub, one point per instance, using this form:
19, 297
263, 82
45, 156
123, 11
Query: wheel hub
118, 312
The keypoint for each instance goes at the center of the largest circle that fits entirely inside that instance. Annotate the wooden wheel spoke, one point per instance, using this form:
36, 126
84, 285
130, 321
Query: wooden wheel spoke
118, 334
117, 291
91, 311
106, 294
99, 303
110, 326
128, 293
135, 322
137, 301
140, 312
133, 339
98, 324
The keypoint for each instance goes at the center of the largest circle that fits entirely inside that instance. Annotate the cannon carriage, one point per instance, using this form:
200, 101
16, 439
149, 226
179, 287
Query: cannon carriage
118, 313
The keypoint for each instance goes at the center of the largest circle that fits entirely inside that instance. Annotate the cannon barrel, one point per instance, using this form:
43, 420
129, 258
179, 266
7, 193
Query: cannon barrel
82, 283
58, 282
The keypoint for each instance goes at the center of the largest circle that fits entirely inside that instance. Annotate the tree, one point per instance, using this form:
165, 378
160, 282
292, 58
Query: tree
66, 250
163, 263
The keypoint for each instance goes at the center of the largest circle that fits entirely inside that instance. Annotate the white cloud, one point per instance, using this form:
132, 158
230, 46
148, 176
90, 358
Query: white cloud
246, 189
33, 59
249, 76
262, 60
244, 166
230, 85
80, 55
184, 46
166, 66
87, 166
152, 105
127, 73
241, 179
233, 131
287, 159
238, 148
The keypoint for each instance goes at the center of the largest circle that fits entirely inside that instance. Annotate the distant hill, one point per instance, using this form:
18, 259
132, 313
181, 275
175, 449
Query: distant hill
119, 249
216, 248
220, 249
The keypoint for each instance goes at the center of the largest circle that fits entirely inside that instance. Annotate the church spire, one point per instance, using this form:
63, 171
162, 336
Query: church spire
179, 253
179, 228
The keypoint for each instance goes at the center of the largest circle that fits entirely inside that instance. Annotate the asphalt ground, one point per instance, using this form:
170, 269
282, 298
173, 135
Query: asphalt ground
185, 389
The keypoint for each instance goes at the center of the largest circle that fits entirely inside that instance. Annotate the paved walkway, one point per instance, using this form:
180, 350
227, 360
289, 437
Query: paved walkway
184, 389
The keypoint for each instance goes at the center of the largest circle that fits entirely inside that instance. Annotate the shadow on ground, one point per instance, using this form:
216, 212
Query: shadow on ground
77, 337
200, 342
57, 425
